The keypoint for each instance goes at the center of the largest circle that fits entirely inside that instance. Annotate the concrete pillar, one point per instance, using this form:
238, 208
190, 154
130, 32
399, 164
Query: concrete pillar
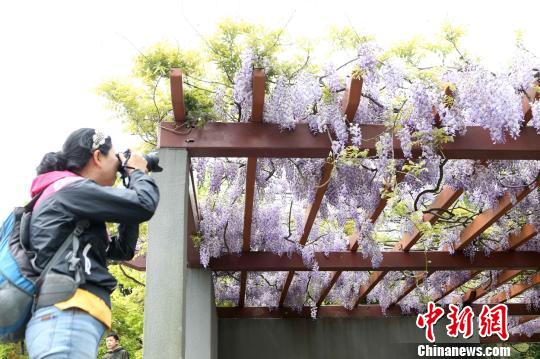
201, 316
169, 313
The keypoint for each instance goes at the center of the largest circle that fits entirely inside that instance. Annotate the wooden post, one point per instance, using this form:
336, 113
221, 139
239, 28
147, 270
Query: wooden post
257, 110
351, 100
177, 96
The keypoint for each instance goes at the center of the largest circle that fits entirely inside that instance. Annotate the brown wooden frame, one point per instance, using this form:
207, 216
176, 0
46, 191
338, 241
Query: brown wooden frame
255, 139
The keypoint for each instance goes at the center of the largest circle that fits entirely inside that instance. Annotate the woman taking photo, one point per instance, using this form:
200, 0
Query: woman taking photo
74, 187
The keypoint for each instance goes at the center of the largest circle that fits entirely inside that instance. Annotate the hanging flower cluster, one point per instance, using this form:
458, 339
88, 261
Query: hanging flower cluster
420, 111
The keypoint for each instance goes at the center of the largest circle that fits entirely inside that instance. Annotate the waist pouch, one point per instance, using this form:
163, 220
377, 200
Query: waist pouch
55, 288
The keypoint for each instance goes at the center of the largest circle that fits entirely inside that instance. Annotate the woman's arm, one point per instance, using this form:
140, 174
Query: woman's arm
88, 200
122, 246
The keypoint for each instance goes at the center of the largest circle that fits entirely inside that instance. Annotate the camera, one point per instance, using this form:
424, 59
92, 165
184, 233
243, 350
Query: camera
152, 163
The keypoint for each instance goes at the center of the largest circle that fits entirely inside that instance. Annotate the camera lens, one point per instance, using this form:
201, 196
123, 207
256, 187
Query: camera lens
152, 160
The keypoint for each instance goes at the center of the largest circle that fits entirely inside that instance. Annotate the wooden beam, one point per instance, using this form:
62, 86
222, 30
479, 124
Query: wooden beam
527, 110
419, 278
219, 139
530, 95
328, 288
312, 211
392, 261
346, 261
437, 117
353, 239
376, 276
334, 311
442, 201
485, 219
450, 288
517, 338
350, 103
352, 97
516, 289
526, 318
527, 232
177, 96
257, 110
242, 294
193, 196
259, 79
137, 263
248, 208
374, 279
474, 294
319, 194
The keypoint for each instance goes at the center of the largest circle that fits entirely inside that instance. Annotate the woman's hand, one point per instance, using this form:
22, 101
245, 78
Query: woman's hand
135, 162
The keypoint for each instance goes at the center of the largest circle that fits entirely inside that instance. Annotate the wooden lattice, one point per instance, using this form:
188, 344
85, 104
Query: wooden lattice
256, 139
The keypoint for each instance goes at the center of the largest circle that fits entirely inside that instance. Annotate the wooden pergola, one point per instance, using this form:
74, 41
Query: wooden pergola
254, 139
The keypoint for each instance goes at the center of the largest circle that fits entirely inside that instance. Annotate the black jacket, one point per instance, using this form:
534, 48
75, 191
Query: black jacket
118, 353
61, 206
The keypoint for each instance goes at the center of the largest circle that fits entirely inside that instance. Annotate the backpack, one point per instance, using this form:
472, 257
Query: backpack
19, 280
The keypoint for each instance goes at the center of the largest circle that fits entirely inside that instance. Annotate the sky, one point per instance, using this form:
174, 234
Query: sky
53, 54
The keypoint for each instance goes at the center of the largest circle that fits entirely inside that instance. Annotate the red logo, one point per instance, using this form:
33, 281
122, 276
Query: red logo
429, 319
460, 322
492, 320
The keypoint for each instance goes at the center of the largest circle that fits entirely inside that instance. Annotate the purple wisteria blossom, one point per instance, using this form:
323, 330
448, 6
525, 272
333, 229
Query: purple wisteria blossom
406, 104
243, 85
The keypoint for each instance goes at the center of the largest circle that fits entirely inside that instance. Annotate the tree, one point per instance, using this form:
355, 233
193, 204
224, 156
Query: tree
142, 101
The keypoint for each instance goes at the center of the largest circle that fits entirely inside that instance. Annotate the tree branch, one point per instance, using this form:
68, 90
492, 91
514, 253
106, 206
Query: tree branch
436, 189
130, 277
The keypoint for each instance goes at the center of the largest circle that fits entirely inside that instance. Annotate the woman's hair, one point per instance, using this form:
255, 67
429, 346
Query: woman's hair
76, 152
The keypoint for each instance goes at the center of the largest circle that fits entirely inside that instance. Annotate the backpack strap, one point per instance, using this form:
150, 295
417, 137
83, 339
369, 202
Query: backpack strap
30, 205
74, 261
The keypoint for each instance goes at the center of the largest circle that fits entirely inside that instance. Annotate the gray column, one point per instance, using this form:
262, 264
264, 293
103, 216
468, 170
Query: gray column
180, 318
164, 310
201, 316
